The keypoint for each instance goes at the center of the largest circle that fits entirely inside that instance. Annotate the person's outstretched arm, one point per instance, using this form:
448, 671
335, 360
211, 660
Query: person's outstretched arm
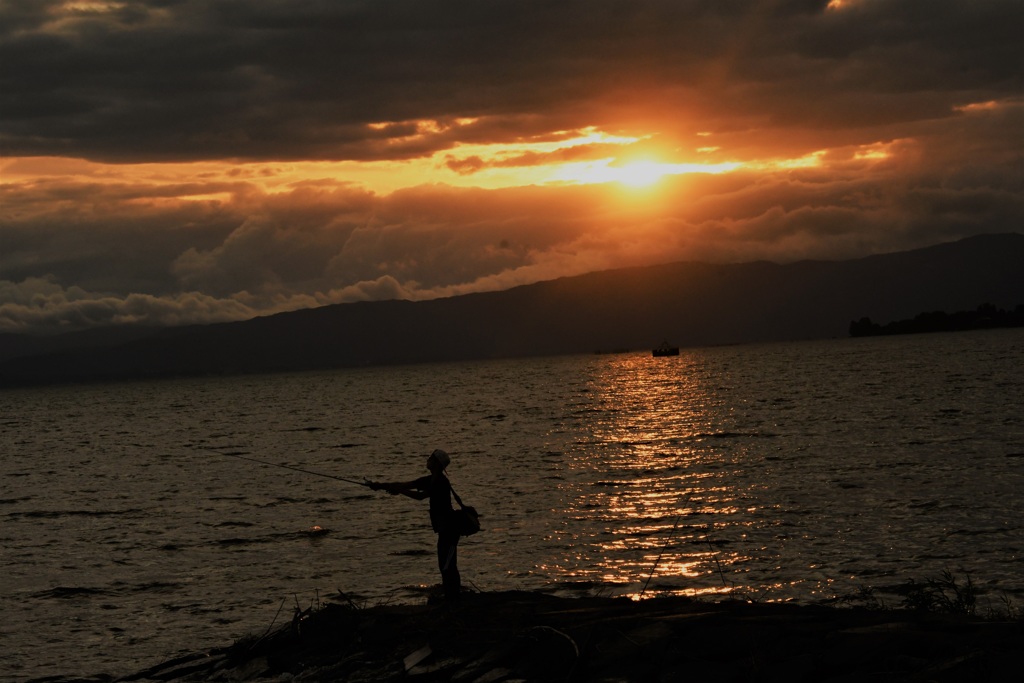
412, 489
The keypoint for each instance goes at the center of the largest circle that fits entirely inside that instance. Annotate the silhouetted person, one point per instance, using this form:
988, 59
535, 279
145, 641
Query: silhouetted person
436, 487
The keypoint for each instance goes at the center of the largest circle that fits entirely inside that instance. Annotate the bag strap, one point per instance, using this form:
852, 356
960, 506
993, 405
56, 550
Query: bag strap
457, 499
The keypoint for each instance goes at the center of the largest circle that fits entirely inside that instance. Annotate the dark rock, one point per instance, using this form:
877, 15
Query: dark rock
498, 637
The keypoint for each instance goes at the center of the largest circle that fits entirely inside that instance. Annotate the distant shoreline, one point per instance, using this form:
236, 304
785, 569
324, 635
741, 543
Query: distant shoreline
984, 317
693, 304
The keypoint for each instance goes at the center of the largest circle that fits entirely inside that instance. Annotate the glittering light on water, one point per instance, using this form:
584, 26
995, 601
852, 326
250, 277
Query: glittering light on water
655, 481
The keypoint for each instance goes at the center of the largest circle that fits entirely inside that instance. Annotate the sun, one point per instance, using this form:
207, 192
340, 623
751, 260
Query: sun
642, 173
638, 174
635, 174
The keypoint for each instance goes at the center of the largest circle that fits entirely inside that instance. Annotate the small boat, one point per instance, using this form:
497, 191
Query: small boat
665, 350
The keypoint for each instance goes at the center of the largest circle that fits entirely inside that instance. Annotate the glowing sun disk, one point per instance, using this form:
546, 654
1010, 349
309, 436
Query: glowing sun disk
634, 174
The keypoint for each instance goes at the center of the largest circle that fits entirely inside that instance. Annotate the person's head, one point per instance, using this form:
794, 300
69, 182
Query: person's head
437, 461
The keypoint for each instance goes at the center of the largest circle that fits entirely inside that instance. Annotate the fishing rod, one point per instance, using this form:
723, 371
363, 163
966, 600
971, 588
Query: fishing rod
658, 561
671, 536
290, 467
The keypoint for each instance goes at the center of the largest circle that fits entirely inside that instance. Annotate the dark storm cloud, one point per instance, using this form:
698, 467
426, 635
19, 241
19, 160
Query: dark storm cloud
167, 79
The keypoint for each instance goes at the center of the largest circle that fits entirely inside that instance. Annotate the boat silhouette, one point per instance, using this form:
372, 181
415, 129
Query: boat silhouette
665, 350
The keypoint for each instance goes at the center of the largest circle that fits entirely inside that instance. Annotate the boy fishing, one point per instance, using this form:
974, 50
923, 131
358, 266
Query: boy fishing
438, 489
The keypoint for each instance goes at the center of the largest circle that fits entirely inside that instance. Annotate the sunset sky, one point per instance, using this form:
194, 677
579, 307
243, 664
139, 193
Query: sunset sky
181, 161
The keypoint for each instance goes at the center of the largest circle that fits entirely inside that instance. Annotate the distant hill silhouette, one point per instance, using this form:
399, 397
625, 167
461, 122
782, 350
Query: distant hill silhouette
687, 304
984, 317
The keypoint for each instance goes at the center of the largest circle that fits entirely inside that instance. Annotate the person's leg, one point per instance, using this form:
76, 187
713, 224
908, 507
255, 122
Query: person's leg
448, 563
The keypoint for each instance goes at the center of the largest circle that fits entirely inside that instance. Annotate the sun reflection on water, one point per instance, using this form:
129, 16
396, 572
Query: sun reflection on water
654, 497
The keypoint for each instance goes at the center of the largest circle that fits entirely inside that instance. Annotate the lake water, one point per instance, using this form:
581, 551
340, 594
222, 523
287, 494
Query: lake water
131, 532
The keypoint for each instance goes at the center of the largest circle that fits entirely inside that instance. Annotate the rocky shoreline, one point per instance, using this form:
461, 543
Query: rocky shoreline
504, 637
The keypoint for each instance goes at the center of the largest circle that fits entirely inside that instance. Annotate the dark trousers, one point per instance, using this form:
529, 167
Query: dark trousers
448, 563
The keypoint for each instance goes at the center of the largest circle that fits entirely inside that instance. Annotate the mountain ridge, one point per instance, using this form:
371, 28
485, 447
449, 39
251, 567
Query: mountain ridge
687, 303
